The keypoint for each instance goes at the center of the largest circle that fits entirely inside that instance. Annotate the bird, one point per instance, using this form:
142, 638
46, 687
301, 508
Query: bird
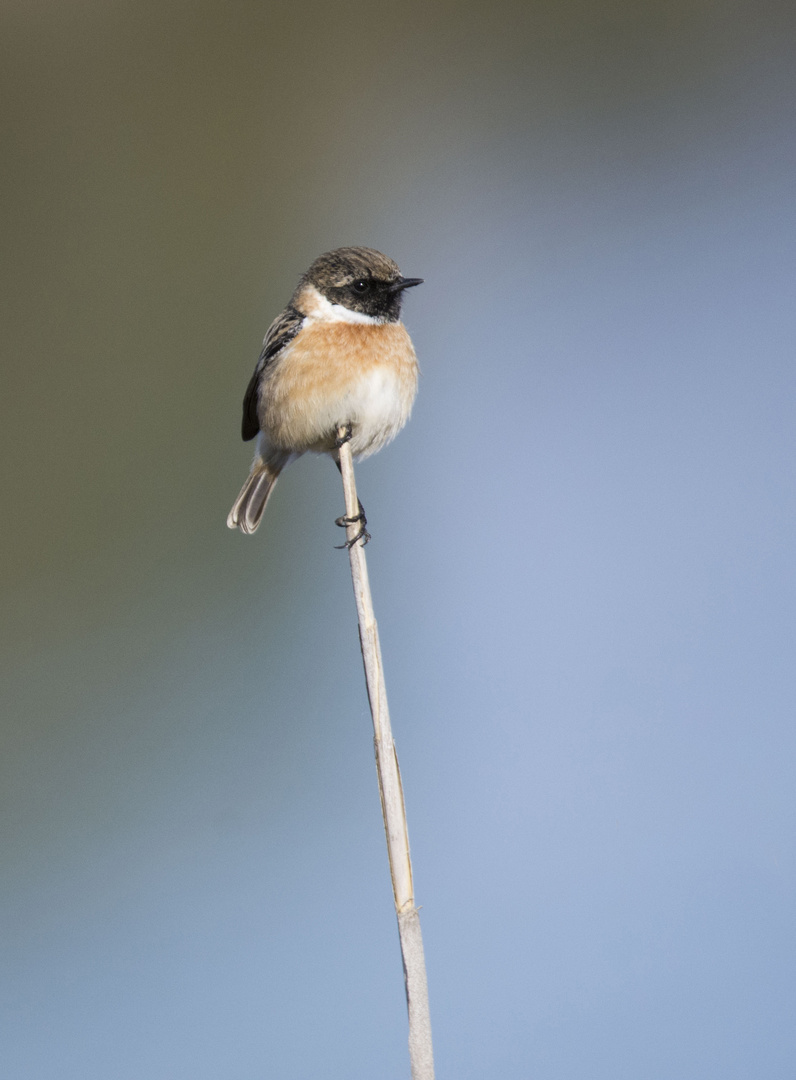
338, 356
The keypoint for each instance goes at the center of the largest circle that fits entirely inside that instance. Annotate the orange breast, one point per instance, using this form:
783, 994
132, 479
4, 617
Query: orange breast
324, 365
327, 356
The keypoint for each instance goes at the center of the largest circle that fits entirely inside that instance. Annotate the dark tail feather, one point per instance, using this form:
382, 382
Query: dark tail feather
249, 505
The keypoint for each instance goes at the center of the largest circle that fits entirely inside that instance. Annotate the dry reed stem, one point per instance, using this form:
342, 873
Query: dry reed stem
392, 798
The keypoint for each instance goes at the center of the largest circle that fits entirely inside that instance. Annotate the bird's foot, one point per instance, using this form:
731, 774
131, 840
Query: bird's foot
347, 435
358, 519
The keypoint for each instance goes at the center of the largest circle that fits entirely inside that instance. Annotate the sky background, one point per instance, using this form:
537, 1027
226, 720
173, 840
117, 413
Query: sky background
582, 554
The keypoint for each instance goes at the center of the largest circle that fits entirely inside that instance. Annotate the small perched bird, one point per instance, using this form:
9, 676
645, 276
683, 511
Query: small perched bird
337, 356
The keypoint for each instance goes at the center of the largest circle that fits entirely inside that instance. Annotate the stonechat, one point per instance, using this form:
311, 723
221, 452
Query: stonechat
337, 356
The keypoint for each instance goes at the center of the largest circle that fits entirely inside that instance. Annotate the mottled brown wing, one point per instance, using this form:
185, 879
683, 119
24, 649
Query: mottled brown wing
281, 331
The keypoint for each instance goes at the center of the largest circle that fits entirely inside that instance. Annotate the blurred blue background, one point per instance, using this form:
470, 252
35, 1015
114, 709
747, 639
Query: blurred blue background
582, 558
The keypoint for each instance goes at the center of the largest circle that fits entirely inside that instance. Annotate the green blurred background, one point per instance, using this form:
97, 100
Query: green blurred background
582, 556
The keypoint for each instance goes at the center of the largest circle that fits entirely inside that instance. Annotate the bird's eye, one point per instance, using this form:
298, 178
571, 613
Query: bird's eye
361, 286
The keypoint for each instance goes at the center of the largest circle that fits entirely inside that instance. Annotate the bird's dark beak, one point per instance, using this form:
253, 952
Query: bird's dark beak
404, 283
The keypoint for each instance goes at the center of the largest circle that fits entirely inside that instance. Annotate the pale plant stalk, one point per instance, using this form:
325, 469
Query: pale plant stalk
421, 1057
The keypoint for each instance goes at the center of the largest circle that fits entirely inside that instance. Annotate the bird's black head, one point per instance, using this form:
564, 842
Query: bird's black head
361, 280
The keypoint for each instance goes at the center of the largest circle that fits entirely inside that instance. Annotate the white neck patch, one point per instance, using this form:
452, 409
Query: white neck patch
316, 306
